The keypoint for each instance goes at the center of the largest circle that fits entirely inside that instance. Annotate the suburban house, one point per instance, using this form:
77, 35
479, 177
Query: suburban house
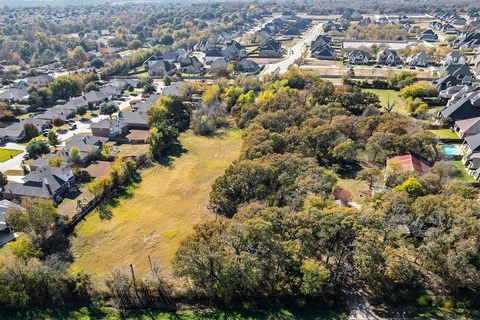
15, 95
467, 127
409, 163
109, 128
447, 28
359, 57
324, 52
466, 107
389, 57
270, 49
428, 35
247, 65
218, 64
16, 131
88, 146
467, 40
421, 59
234, 50
45, 160
212, 54
450, 81
170, 56
191, 65
159, 67
453, 57
6, 232
471, 145
45, 182
472, 164
202, 46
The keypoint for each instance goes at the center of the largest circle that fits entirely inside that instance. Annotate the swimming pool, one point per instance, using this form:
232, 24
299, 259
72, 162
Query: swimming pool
450, 150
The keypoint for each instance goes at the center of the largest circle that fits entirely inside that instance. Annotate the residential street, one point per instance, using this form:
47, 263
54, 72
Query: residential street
295, 52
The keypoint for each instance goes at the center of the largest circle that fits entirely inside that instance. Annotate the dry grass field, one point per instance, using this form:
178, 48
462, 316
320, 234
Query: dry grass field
168, 202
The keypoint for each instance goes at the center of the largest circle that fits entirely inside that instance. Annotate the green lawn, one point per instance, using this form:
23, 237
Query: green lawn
463, 172
445, 134
165, 206
358, 188
385, 95
37, 138
6, 154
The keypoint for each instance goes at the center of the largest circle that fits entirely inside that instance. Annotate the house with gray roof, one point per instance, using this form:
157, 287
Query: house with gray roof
6, 232
14, 95
247, 65
421, 59
359, 57
466, 107
233, 50
45, 182
88, 146
191, 65
109, 128
270, 49
467, 127
136, 119
389, 57
159, 67
453, 57
43, 161
16, 131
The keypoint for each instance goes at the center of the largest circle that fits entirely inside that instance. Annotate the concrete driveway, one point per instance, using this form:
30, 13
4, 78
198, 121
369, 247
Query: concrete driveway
15, 162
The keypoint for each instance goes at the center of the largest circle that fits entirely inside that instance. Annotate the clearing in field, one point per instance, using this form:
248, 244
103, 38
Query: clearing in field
162, 212
6, 154
387, 94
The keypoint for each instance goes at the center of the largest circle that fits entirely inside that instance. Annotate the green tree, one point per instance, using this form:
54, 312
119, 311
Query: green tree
37, 148
53, 139
108, 108
64, 87
74, 157
411, 186
37, 218
315, 277
30, 131
24, 248
3, 180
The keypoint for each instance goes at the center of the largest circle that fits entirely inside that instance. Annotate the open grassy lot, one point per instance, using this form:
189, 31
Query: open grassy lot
5, 154
385, 95
358, 188
169, 201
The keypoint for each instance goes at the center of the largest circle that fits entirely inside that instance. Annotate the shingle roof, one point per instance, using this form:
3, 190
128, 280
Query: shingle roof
410, 163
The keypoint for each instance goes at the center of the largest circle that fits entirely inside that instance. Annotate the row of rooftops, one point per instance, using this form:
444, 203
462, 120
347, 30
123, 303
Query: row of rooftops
459, 88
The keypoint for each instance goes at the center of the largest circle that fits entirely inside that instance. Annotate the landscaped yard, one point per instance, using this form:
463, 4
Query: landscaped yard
463, 173
6, 154
385, 95
162, 211
37, 138
445, 134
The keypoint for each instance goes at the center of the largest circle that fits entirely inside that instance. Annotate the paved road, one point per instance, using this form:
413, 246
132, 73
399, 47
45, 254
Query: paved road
295, 52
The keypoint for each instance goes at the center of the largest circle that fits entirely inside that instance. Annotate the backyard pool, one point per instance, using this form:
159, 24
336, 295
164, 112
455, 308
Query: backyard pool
450, 150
